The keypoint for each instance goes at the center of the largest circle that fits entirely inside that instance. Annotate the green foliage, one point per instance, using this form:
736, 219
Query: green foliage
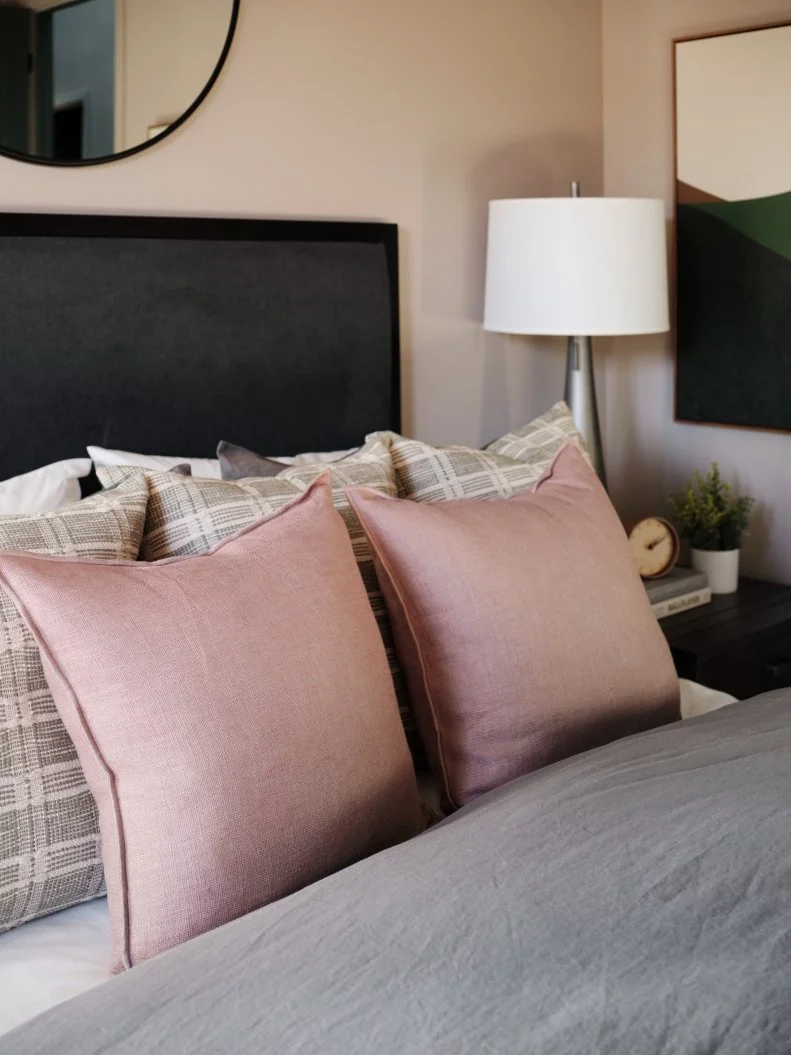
710, 515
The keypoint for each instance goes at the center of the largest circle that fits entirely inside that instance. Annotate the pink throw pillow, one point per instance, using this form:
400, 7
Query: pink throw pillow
234, 715
522, 625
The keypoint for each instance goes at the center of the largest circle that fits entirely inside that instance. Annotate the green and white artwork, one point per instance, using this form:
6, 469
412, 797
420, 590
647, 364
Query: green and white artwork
733, 148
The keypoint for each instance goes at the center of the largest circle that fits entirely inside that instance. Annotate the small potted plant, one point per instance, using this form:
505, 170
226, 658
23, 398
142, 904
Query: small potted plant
716, 521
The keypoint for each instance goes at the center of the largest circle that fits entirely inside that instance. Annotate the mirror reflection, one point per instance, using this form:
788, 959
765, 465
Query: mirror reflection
87, 79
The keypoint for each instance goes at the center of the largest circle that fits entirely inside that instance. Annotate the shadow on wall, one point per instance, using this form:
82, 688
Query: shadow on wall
757, 559
638, 392
522, 378
639, 402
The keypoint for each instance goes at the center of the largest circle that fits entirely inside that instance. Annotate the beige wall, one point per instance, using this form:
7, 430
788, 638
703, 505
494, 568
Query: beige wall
648, 453
411, 111
418, 112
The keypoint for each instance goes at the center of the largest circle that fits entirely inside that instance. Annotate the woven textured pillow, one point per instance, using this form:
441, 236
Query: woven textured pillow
189, 517
523, 626
49, 836
538, 442
440, 474
234, 715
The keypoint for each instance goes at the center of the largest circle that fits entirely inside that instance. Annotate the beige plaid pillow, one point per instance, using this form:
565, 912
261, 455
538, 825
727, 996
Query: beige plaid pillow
192, 515
538, 442
49, 835
439, 474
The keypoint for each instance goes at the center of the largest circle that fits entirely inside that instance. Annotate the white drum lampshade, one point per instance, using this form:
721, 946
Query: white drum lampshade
592, 266
579, 268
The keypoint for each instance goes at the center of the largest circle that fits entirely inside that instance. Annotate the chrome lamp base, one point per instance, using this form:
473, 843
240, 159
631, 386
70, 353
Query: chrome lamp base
581, 398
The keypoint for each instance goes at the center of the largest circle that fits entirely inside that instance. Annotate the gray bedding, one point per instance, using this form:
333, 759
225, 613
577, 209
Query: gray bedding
634, 900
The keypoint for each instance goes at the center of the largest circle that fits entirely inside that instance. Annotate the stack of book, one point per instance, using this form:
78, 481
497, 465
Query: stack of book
678, 591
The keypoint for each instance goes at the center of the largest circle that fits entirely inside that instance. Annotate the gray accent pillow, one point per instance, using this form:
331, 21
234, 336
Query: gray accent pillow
238, 463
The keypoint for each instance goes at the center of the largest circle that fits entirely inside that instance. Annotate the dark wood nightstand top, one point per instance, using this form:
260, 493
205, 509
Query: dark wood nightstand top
756, 607
740, 643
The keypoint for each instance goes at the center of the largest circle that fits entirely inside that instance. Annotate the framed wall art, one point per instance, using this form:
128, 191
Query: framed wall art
733, 194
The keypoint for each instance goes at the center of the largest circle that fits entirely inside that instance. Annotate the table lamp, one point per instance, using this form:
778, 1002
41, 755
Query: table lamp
574, 266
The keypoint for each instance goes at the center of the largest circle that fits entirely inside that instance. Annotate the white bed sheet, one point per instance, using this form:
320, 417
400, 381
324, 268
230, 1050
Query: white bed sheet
697, 699
53, 959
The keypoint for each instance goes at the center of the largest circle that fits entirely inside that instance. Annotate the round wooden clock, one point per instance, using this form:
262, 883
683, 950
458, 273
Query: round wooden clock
655, 546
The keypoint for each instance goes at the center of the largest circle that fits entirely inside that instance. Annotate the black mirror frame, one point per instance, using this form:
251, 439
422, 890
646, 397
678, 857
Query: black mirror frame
107, 159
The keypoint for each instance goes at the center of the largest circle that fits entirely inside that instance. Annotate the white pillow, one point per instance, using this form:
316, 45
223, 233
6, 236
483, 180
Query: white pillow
44, 490
311, 459
209, 468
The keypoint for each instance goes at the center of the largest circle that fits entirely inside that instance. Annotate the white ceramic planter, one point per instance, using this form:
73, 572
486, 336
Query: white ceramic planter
721, 567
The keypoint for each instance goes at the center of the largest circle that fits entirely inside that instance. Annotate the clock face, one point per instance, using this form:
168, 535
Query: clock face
655, 546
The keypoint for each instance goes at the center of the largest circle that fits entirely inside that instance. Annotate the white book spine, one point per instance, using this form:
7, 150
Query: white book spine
674, 605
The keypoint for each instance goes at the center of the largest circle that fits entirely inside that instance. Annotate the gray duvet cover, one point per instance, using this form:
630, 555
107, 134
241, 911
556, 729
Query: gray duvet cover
635, 900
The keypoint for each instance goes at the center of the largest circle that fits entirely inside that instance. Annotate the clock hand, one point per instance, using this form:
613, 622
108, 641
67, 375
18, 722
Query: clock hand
655, 543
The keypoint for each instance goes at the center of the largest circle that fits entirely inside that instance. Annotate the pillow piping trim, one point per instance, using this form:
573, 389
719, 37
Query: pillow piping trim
416, 640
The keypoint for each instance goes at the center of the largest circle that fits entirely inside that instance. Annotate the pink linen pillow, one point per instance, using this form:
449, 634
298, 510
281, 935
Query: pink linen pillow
522, 625
234, 715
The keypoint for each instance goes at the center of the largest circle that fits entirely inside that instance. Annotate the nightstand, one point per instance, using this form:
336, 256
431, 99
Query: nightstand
740, 643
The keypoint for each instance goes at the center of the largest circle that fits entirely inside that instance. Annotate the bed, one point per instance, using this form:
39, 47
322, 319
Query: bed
64, 955
634, 898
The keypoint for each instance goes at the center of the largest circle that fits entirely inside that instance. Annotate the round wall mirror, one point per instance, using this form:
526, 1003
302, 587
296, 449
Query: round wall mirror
87, 81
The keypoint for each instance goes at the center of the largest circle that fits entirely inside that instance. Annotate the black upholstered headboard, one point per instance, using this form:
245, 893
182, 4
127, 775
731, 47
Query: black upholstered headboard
166, 335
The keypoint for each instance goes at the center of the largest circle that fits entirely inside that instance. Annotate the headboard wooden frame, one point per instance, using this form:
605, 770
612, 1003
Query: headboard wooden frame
165, 335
